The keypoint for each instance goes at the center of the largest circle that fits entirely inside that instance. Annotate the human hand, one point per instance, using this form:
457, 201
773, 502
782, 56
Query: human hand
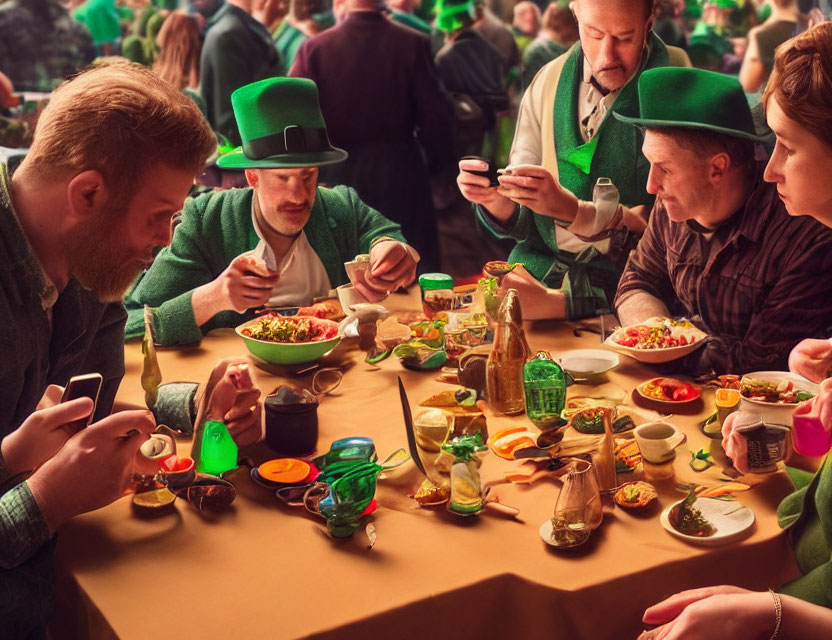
536, 188
735, 446
477, 189
44, 432
245, 284
392, 265
711, 613
819, 407
812, 359
92, 469
634, 219
7, 97
536, 300
234, 401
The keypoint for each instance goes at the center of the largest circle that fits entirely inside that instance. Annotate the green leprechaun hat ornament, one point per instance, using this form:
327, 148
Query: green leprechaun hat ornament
693, 99
281, 127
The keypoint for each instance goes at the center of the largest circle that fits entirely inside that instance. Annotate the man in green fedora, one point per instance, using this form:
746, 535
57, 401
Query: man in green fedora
720, 247
566, 138
282, 241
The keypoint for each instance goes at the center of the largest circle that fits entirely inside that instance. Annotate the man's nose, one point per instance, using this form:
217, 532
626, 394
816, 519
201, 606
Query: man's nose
609, 54
296, 189
653, 185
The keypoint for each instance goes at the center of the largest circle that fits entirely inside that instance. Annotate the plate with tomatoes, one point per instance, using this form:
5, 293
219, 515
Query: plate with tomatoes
669, 391
657, 340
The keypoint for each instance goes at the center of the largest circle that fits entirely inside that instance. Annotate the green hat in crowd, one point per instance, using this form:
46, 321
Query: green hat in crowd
281, 126
693, 99
451, 14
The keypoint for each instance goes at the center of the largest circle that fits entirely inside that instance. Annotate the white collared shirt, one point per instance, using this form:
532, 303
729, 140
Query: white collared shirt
302, 274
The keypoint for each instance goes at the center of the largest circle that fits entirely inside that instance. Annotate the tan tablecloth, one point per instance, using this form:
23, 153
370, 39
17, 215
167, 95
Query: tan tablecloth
269, 571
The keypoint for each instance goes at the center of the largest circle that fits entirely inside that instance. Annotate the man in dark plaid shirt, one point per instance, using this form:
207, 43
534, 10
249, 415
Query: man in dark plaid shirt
720, 247
41, 44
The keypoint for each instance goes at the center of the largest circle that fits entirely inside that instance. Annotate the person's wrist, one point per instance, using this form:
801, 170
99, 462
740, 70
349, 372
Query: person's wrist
499, 207
207, 301
778, 614
51, 508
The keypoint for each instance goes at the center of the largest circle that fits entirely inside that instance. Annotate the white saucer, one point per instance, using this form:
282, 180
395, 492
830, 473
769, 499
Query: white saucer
546, 533
731, 519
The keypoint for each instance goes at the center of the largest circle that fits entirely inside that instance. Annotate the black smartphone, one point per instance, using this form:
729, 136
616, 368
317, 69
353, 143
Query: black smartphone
490, 173
85, 386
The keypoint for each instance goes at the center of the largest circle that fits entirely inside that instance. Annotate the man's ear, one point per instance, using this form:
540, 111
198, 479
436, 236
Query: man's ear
87, 194
718, 167
650, 23
251, 177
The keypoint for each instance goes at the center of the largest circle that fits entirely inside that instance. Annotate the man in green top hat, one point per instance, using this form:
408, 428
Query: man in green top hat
720, 247
282, 241
566, 138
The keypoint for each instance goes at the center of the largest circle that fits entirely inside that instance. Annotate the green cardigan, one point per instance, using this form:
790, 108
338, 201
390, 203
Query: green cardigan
807, 516
216, 227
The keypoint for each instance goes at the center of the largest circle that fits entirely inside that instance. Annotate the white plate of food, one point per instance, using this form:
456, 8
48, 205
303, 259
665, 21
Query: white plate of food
774, 395
669, 392
711, 522
657, 339
582, 364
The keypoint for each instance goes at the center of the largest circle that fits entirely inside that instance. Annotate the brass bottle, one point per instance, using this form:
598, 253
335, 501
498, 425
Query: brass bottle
504, 369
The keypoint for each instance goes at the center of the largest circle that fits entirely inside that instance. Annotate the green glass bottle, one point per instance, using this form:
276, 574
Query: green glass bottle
544, 383
215, 449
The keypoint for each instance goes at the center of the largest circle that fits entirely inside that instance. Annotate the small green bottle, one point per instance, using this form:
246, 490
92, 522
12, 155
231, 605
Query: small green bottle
216, 451
544, 383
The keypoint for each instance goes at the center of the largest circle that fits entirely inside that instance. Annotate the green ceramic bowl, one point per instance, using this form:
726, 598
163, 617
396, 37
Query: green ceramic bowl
287, 352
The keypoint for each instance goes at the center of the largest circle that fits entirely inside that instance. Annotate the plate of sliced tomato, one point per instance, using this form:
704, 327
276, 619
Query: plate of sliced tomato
669, 391
657, 340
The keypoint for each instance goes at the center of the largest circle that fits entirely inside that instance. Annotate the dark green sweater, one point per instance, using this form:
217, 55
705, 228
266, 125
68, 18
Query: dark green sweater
215, 229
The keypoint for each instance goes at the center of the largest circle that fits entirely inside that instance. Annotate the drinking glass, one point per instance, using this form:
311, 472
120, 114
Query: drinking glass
578, 508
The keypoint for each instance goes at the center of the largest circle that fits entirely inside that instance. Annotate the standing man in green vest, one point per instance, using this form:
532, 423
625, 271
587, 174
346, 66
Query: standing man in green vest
566, 139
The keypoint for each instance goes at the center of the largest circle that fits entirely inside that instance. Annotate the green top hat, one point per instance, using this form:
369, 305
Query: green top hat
450, 14
693, 99
281, 126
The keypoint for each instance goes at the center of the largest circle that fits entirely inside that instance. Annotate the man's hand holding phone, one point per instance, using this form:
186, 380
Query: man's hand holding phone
45, 432
476, 183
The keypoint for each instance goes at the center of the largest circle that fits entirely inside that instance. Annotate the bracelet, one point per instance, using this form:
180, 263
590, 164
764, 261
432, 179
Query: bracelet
778, 613
378, 239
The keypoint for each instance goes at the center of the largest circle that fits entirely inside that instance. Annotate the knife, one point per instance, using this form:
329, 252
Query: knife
408, 425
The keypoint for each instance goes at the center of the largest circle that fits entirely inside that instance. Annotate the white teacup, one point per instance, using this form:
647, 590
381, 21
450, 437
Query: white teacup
657, 441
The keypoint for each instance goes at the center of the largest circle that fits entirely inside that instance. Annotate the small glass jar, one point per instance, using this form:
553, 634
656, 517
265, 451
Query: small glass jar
437, 293
544, 383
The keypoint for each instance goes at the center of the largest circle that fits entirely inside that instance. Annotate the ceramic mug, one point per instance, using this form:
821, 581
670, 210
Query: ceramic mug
810, 438
348, 296
657, 441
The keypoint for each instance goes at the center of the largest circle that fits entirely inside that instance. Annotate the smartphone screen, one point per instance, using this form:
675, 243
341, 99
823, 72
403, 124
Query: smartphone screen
85, 386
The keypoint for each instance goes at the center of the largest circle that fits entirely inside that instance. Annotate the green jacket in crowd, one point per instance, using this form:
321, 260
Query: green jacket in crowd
216, 228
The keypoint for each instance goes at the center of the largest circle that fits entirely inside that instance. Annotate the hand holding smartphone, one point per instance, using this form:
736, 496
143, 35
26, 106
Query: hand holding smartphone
85, 386
490, 173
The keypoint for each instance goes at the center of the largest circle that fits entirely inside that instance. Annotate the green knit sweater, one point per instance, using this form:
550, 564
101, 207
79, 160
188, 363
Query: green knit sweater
807, 516
216, 228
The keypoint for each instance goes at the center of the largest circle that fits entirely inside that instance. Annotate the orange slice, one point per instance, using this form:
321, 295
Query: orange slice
285, 470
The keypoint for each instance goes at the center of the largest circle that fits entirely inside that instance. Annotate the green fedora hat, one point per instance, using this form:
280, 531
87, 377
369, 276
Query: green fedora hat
693, 99
281, 126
